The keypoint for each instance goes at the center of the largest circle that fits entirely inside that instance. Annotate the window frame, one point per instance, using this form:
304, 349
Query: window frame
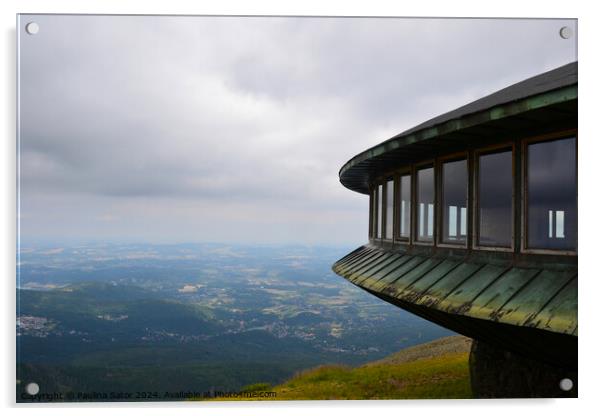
519, 227
374, 237
371, 213
524, 248
496, 148
382, 219
430, 163
397, 237
374, 212
385, 182
452, 157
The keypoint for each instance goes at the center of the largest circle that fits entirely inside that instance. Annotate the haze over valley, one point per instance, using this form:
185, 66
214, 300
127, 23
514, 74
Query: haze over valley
107, 317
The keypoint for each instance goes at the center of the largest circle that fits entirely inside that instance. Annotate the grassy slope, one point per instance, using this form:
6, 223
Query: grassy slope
435, 370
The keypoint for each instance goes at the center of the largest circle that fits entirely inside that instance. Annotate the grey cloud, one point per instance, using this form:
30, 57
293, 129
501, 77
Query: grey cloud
251, 114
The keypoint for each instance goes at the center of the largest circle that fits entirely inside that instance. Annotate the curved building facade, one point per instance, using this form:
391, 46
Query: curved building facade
473, 220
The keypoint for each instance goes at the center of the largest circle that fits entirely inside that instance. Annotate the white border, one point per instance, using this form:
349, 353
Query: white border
589, 151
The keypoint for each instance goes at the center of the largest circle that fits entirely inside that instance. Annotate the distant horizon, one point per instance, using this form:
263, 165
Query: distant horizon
72, 243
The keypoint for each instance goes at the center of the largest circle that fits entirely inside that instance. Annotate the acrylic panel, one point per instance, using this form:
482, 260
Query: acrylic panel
194, 195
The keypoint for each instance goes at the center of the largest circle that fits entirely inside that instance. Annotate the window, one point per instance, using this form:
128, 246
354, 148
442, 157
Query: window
425, 204
494, 188
379, 213
552, 194
389, 211
373, 220
404, 191
404, 207
454, 195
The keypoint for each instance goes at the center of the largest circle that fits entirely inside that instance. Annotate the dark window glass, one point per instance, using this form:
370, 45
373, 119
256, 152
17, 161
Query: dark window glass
495, 199
552, 194
389, 211
405, 192
379, 211
455, 186
425, 204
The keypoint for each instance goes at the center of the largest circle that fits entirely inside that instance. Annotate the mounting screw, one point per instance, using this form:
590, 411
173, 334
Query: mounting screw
566, 384
32, 388
32, 28
566, 32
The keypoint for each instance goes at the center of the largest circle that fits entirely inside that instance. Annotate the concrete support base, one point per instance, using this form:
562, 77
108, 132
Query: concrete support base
496, 373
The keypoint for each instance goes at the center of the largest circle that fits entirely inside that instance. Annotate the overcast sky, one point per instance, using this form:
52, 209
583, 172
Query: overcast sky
183, 129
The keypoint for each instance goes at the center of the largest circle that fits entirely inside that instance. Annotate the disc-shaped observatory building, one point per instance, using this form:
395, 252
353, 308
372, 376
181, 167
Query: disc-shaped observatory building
473, 226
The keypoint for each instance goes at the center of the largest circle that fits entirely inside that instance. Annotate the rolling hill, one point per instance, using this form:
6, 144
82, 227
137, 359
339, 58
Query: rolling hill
434, 370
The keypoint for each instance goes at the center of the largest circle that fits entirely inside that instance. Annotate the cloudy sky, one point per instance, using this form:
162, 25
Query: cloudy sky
183, 129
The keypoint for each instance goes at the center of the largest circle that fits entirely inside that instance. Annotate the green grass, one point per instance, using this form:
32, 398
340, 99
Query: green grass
442, 376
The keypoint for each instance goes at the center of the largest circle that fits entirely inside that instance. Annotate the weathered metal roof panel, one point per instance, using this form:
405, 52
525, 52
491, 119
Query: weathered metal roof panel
397, 287
560, 314
503, 289
528, 302
389, 262
533, 295
396, 274
439, 291
420, 287
370, 278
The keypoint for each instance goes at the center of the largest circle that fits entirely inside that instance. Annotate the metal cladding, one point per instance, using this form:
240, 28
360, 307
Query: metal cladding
533, 295
529, 308
546, 101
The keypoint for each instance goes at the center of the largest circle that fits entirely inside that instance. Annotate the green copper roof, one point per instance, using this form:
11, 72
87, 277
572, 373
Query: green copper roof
540, 295
546, 100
